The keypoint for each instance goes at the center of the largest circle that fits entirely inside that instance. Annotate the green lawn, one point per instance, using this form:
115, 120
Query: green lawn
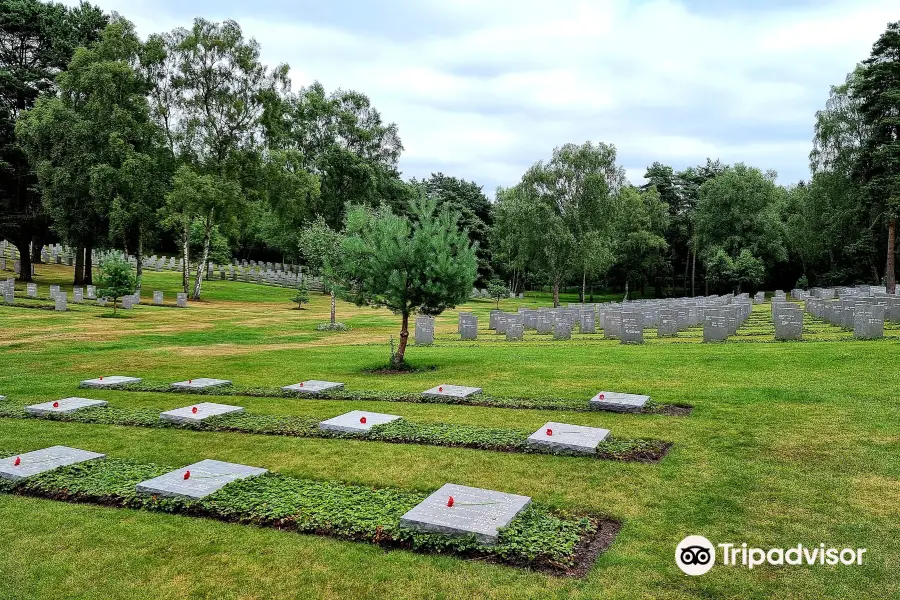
788, 443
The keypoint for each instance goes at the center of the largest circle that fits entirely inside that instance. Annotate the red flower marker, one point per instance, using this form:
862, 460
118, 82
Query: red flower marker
362, 420
190, 381
194, 410
450, 502
301, 384
602, 396
56, 405
549, 431
101, 378
187, 475
440, 388
18, 461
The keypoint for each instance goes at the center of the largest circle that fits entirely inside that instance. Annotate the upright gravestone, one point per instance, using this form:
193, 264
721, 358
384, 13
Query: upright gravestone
31, 290
715, 326
60, 301
500, 322
668, 323
77, 295
515, 328
127, 302
612, 325
181, 300
788, 323
588, 321
632, 327
468, 326
424, 333
562, 330
543, 322
868, 322
157, 297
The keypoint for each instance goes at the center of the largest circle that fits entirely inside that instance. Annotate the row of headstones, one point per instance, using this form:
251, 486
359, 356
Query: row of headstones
483, 293
60, 297
865, 317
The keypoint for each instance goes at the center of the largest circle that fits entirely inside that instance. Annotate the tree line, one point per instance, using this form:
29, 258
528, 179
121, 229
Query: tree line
187, 140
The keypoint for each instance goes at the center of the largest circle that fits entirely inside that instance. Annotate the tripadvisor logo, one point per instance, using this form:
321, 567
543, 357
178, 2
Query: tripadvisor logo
695, 555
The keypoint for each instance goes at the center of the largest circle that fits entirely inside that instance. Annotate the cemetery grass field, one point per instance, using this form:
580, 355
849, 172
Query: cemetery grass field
787, 443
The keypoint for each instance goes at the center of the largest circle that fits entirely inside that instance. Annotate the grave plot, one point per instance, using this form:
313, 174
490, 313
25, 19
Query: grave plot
109, 381
451, 391
313, 386
198, 412
568, 438
197, 480
459, 510
356, 421
64, 406
618, 402
200, 384
19, 467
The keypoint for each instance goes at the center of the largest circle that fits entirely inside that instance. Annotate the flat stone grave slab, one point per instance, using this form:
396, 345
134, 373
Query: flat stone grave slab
201, 383
570, 438
203, 478
313, 386
41, 461
65, 406
619, 402
356, 421
197, 412
451, 391
109, 381
472, 511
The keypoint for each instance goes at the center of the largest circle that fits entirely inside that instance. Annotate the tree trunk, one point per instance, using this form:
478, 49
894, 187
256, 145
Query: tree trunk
36, 245
139, 254
332, 306
398, 358
88, 266
24, 259
625, 299
204, 256
583, 285
693, 272
890, 276
79, 266
687, 264
186, 256
555, 294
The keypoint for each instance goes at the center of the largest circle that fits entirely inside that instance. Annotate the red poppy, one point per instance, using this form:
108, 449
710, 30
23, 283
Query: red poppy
450, 502
549, 431
56, 405
18, 461
187, 474
440, 388
362, 420
101, 378
602, 396
301, 384
194, 410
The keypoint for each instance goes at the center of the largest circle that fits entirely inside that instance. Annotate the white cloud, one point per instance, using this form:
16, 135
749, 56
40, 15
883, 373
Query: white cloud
494, 86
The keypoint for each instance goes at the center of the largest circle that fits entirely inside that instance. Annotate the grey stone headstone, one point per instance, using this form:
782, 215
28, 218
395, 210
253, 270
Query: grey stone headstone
562, 331
587, 322
868, 322
612, 324
157, 297
715, 326
492, 319
500, 323
41, 461
543, 323
618, 402
181, 300
474, 511
451, 391
77, 295
424, 332
788, 323
206, 477
198, 412
109, 381
201, 383
515, 328
65, 406
91, 292
313, 386
468, 326
632, 327
32, 290
356, 421
127, 302
61, 302
568, 438
668, 323
101, 302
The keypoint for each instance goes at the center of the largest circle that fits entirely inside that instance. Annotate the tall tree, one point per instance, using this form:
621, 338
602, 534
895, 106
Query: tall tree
320, 246
641, 227
37, 40
878, 163
422, 263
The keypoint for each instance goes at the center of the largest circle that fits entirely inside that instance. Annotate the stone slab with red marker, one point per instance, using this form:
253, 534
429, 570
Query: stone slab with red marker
108, 381
198, 412
313, 386
472, 511
356, 421
618, 402
22, 466
568, 438
197, 480
451, 391
200, 383
65, 406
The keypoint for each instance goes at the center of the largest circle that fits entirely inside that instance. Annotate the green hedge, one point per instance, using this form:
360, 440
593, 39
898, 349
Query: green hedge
539, 537
541, 403
399, 431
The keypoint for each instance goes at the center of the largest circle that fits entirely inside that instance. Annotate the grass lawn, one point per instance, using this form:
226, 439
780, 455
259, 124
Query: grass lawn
788, 443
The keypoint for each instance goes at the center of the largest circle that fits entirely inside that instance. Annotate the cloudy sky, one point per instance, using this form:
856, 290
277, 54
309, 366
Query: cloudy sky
481, 89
